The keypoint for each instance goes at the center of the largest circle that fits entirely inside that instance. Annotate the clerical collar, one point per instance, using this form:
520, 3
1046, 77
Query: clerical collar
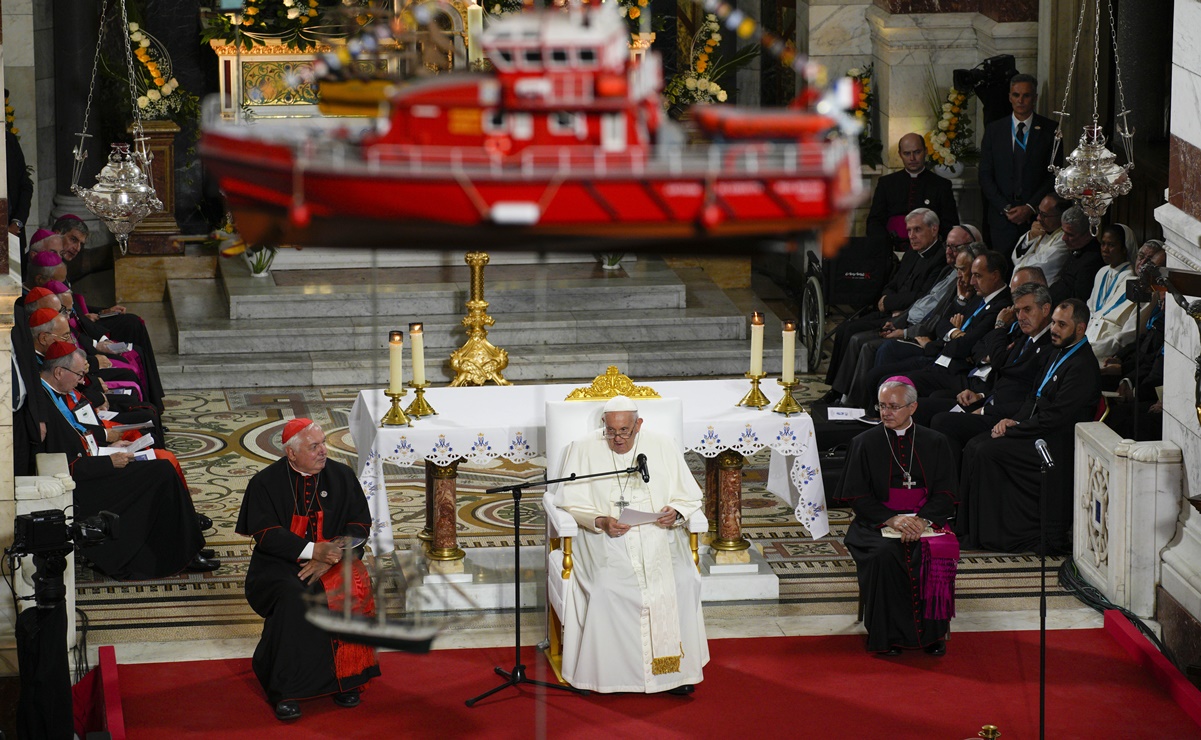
302, 475
917, 174
926, 251
901, 432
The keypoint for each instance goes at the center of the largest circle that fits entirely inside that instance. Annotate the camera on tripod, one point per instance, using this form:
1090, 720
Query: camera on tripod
48, 537
989, 81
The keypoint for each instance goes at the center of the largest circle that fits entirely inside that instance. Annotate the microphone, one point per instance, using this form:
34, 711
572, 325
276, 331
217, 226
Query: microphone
641, 462
1041, 446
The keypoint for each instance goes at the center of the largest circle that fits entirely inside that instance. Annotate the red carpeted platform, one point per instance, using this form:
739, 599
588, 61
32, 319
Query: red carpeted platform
811, 687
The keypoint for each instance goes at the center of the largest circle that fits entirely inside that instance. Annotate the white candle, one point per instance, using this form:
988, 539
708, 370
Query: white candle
756, 343
788, 371
417, 353
475, 27
396, 344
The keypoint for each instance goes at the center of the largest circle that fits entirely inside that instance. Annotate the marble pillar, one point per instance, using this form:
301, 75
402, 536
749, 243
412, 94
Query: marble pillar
1180, 218
446, 514
729, 503
9, 290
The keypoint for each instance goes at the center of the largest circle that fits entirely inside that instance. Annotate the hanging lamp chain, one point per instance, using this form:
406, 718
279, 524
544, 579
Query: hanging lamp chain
81, 153
1067, 88
1096, 57
139, 140
1120, 122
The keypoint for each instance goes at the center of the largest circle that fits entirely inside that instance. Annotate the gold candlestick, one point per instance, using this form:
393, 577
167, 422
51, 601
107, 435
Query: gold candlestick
788, 405
754, 397
395, 416
420, 407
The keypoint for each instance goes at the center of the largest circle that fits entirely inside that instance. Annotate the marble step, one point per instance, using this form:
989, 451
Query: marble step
430, 291
207, 331
527, 363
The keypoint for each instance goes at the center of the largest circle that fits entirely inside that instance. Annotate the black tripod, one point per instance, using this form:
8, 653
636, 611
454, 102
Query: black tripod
517, 675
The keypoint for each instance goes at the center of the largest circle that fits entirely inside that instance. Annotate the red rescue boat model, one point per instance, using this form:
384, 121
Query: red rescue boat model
564, 146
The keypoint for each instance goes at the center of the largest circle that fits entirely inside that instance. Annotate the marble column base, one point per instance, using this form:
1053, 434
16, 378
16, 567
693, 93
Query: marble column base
444, 545
744, 582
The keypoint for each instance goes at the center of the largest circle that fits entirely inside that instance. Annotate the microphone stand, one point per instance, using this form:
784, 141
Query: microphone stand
517, 674
1045, 468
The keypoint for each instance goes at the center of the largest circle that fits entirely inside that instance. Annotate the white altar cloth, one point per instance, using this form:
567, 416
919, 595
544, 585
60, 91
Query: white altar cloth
486, 422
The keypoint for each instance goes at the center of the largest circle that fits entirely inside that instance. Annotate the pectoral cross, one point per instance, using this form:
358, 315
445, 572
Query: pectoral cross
907, 480
621, 505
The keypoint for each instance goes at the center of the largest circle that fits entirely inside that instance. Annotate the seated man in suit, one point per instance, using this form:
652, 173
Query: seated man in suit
1014, 153
920, 269
1014, 364
632, 619
1079, 270
897, 194
902, 477
999, 490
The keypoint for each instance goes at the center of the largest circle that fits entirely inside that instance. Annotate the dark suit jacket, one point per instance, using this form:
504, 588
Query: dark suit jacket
1007, 180
892, 199
1078, 274
1069, 397
915, 276
962, 348
1015, 372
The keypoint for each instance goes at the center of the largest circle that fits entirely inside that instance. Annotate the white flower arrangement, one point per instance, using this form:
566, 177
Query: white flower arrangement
698, 82
950, 141
160, 95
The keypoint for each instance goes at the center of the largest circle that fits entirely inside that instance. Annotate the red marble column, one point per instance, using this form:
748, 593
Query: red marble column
445, 543
729, 503
427, 533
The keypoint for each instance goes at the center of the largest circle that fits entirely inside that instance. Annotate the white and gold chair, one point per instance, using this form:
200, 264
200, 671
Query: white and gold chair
567, 421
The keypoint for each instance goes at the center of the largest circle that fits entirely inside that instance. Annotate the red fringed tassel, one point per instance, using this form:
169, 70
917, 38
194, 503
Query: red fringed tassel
938, 582
350, 659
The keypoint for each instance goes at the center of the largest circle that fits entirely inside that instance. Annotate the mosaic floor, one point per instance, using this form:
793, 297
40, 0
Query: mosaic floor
223, 437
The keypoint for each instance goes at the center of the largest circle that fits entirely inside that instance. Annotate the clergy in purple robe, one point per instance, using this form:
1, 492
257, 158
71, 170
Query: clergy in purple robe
900, 481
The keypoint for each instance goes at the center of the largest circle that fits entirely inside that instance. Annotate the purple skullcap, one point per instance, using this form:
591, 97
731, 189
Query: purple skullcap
46, 259
41, 234
56, 287
69, 217
900, 379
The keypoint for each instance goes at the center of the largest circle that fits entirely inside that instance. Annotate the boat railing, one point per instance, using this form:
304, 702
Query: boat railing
739, 158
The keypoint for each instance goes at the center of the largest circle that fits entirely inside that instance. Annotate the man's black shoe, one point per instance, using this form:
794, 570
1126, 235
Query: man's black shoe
287, 710
937, 649
348, 699
204, 521
831, 398
893, 652
684, 690
201, 564
208, 553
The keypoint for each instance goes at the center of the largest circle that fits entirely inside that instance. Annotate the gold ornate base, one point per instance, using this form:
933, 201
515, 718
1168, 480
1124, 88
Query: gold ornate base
420, 407
395, 416
730, 545
425, 535
788, 405
445, 553
754, 397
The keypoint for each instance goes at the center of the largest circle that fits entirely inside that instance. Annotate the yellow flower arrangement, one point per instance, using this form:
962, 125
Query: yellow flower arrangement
290, 21
159, 95
10, 118
950, 141
698, 82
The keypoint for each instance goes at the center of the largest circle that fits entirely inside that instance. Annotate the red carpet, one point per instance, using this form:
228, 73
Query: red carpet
811, 687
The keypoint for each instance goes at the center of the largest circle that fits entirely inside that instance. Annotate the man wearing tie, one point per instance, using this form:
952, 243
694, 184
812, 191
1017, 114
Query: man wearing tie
1014, 154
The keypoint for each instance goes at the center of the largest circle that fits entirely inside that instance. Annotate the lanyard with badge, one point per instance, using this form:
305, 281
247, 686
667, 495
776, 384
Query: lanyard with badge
1055, 366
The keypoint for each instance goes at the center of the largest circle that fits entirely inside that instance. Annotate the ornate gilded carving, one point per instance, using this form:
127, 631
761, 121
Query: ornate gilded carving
611, 384
478, 361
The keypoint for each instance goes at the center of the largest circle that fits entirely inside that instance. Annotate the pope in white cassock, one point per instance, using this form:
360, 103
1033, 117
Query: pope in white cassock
632, 619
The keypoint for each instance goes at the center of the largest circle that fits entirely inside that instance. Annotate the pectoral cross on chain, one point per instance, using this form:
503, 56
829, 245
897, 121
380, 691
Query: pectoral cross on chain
621, 505
907, 480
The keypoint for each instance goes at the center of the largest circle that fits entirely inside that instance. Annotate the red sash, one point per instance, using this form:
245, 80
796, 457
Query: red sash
350, 659
940, 557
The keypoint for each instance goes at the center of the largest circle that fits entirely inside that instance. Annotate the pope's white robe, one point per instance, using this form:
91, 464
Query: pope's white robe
1047, 251
1112, 316
633, 603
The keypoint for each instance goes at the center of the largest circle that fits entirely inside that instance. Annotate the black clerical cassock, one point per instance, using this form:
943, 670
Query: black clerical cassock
158, 534
284, 510
1001, 486
880, 464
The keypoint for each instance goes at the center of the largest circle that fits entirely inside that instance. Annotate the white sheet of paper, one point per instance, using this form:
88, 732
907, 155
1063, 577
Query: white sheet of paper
957, 410
145, 455
141, 443
943, 361
106, 415
87, 415
839, 413
634, 517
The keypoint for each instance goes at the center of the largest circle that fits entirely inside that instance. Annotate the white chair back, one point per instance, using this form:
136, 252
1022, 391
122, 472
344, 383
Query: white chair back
567, 421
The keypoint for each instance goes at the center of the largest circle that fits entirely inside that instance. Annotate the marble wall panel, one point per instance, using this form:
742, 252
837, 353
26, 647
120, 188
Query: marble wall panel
839, 30
1186, 52
1184, 169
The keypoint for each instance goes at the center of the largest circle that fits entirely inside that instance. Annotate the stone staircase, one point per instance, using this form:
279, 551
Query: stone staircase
557, 321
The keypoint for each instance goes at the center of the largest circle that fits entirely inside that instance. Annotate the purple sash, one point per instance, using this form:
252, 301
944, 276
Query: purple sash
940, 557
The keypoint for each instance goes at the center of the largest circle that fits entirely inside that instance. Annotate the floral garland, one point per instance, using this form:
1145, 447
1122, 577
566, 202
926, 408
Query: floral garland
871, 149
950, 141
697, 82
290, 21
159, 94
